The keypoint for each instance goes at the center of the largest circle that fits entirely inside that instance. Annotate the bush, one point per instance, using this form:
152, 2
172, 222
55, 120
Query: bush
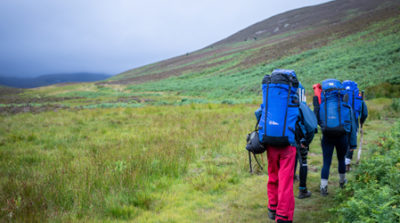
374, 195
396, 104
387, 90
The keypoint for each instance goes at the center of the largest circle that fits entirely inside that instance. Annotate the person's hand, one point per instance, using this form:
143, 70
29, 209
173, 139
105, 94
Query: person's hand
303, 146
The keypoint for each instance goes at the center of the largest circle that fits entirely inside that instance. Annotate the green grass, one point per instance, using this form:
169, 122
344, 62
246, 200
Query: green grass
185, 163
93, 162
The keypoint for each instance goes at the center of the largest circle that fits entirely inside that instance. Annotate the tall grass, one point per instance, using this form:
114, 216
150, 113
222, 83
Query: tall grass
106, 163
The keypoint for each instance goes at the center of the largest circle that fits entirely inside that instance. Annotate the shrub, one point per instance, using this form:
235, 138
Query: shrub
374, 195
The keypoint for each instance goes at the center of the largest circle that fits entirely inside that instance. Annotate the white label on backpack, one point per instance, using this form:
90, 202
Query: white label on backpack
273, 123
348, 87
331, 84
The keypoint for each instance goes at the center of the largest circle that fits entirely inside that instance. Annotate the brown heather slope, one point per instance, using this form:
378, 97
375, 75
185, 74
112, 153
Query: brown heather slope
309, 27
325, 14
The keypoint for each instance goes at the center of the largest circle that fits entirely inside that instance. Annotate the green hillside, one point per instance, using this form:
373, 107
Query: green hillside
362, 46
369, 57
165, 142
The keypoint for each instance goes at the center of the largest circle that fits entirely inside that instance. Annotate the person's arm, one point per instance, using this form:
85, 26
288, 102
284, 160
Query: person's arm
316, 108
258, 112
353, 133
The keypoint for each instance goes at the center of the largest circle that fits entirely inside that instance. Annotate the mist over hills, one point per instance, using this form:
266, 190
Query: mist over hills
49, 79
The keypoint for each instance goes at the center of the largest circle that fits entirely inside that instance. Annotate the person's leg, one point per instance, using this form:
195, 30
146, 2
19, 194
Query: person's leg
348, 158
327, 152
303, 167
295, 165
285, 208
303, 192
273, 180
341, 148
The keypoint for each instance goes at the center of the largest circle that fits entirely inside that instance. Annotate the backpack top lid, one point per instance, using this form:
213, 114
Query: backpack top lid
283, 71
350, 85
331, 84
280, 76
317, 86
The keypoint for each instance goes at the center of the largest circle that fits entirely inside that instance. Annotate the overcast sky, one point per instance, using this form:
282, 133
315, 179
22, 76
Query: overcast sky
53, 36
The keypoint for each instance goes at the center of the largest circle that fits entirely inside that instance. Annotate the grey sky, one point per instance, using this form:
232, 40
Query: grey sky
53, 36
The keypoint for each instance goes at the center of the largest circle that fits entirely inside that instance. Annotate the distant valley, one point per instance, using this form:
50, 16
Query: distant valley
44, 80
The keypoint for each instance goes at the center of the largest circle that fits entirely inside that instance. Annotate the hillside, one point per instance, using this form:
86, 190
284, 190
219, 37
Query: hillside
324, 15
165, 142
338, 26
49, 79
363, 46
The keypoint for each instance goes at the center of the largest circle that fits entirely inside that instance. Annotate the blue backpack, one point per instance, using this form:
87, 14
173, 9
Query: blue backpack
334, 113
355, 98
280, 108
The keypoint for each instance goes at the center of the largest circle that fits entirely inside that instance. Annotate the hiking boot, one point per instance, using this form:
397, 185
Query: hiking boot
304, 193
283, 221
324, 191
348, 168
271, 214
342, 184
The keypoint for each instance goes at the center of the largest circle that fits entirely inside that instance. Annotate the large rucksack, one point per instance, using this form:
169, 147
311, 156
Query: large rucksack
355, 97
334, 113
280, 108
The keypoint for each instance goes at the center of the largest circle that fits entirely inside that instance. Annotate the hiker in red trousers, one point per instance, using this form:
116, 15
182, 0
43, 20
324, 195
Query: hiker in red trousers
280, 182
278, 116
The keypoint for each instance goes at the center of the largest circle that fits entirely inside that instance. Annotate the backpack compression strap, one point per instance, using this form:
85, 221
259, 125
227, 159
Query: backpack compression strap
288, 99
326, 110
266, 110
255, 157
340, 115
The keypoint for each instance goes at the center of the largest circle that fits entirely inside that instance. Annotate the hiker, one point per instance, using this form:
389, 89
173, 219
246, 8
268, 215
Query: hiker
317, 97
338, 127
306, 127
360, 110
277, 123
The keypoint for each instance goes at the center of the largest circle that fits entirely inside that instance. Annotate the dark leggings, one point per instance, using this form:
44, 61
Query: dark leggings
349, 154
302, 159
328, 144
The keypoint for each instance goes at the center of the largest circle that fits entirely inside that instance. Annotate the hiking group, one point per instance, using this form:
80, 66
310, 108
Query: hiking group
286, 127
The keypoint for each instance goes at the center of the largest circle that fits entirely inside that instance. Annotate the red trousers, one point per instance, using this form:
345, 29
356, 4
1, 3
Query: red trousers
280, 181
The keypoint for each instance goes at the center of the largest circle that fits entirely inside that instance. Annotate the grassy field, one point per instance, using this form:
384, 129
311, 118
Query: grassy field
172, 149
152, 164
